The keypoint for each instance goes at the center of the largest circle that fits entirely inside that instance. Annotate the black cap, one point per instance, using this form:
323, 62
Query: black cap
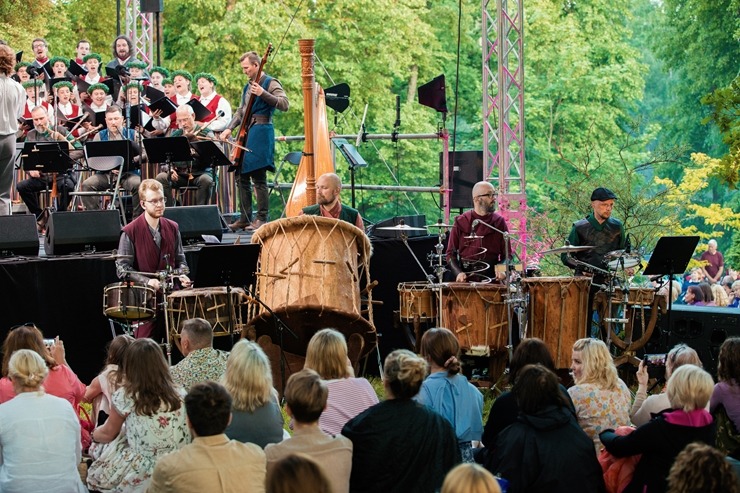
602, 193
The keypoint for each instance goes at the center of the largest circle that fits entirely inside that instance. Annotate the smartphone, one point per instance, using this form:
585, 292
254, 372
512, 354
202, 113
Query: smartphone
655, 359
48, 342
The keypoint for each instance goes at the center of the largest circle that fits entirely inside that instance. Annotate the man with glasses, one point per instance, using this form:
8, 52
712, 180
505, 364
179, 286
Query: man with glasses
151, 243
473, 248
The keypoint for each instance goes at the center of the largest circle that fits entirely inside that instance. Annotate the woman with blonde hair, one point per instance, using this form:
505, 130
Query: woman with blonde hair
720, 295
256, 415
400, 445
601, 399
448, 392
348, 396
644, 407
470, 478
39, 433
661, 439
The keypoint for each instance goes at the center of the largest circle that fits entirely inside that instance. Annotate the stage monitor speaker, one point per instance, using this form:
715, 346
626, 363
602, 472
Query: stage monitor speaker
196, 221
151, 6
419, 221
465, 170
18, 236
704, 328
84, 231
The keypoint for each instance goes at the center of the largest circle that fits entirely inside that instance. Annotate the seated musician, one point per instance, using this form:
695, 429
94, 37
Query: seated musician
192, 173
474, 259
37, 181
104, 180
151, 243
328, 187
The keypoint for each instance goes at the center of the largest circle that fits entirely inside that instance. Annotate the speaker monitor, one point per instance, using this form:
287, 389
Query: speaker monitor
196, 221
704, 329
85, 231
151, 6
465, 170
18, 236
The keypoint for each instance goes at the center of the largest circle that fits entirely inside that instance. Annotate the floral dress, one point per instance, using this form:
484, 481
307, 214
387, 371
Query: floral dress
598, 409
127, 463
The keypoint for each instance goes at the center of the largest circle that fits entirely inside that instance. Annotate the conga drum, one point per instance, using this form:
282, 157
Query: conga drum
557, 313
309, 275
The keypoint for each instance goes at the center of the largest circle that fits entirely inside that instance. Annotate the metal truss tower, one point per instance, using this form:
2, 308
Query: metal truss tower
503, 110
140, 28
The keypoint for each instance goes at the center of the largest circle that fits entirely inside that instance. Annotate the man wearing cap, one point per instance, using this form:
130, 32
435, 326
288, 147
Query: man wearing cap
474, 249
598, 230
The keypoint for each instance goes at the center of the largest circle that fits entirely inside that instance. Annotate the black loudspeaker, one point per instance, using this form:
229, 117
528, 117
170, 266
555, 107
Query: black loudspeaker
415, 221
704, 329
196, 221
18, 235
151, 6
466, 169
85, 231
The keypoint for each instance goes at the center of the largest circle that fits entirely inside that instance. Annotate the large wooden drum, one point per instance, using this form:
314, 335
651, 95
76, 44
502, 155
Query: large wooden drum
309, 274
212, 304
476, 314
558, 313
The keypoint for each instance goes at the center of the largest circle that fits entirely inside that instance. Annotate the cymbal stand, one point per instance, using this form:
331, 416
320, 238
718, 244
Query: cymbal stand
167, 286
437, 262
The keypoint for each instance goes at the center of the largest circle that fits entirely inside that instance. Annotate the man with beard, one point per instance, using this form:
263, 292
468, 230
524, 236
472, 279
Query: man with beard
474, 249
328, 187
123, 51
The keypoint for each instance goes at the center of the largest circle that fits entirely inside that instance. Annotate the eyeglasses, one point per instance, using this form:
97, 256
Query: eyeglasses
155, 202
490, 195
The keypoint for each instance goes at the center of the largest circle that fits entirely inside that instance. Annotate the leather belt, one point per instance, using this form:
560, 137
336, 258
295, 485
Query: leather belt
261, 120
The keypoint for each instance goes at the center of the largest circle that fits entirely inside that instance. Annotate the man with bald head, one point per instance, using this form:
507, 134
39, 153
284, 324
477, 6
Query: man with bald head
328, 187
470, 246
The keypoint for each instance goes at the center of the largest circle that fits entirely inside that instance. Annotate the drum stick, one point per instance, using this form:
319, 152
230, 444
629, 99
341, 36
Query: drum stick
369, 287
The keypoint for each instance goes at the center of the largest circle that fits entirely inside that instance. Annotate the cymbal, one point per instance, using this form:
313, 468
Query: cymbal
402, 227
567, 249
439, 225
473, 237
116, 256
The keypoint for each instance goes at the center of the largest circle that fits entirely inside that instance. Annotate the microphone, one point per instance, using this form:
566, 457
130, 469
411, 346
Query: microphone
475, 223
32, 71
220, 113
627, 245
122, 70
656, 278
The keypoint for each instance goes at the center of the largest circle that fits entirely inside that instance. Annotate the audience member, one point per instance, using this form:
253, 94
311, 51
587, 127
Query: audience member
545, 449
61, 381
201, 362
701, 468
212, 462
601, 399
151, 408
645, 407
470, 478
400, 445
725, 401
694, 295
735, 301
255, 409
305, 399
706, 290
348, 396
720, 295
297, 474
661, 439
101, 389
715, 263
39, 433
448, 392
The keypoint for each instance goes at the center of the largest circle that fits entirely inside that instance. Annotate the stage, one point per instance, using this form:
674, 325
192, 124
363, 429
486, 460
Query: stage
63, 296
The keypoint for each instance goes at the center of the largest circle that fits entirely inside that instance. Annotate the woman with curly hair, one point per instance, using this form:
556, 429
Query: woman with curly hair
256, 415
700, 467
601, 399
661, 439
448, 392
400, 445
348, 395
152, 409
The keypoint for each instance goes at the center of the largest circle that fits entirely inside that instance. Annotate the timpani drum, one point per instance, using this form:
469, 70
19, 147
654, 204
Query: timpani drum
476, 314
129, 301
558, 313
417, 301
211, 304
309, 275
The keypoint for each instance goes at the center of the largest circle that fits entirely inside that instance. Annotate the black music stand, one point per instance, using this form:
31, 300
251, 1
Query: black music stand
107, 148
671, 255
168, 150
47, 157
208, 152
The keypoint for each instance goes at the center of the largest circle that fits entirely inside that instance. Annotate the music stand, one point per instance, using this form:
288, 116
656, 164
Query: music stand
168, 150
209, 152
671, 255
108, 148
47, 157
352, 155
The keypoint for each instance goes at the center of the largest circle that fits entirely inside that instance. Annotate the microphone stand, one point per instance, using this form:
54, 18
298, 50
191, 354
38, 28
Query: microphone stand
280, 327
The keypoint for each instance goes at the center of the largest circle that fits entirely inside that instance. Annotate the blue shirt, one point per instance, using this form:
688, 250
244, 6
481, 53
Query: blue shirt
456, 400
